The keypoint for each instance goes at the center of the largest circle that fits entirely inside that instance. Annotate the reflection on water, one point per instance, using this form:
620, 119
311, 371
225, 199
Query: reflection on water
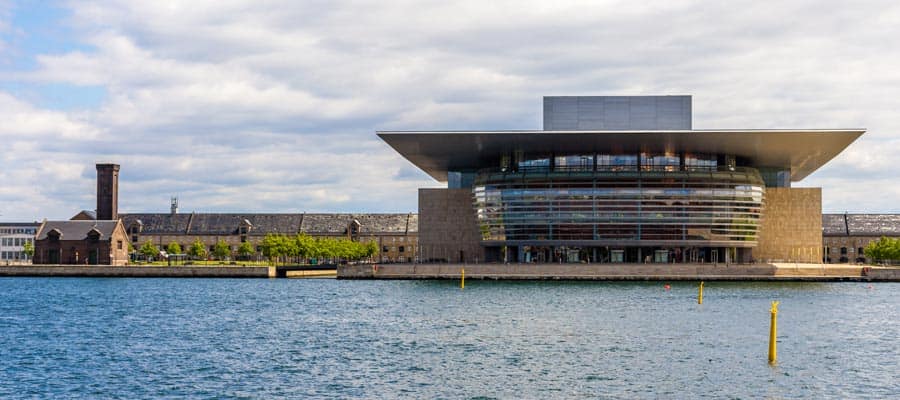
206, 338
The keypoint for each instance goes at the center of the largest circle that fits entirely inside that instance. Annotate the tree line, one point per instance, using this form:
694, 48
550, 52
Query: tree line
883, 250
277, 248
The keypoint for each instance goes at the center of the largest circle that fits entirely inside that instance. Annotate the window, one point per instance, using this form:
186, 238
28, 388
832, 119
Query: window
401, 249
540, 164
861, 251
617, 162
660, 162
119, 244
699, 162
384, 249
843, 250
574, 163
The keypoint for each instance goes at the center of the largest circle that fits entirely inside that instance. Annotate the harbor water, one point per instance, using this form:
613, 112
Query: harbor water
324, 338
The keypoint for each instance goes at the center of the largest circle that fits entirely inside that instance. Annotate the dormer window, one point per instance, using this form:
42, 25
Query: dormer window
54, 235
134, 229
94, 235
353, 229
244, 229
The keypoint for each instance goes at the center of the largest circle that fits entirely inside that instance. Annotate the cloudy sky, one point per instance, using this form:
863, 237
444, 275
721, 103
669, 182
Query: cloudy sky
263, 106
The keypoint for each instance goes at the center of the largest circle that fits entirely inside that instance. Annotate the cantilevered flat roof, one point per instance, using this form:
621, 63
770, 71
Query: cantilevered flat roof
802, 151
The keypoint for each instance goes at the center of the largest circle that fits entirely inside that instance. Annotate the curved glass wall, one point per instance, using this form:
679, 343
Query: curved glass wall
619, 204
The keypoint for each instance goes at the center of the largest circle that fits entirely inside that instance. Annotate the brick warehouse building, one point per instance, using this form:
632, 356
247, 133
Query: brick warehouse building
81, 242
845, 236
396, 234
99, 241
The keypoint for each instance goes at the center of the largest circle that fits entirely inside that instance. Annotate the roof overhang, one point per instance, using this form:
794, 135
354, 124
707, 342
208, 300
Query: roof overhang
802, 151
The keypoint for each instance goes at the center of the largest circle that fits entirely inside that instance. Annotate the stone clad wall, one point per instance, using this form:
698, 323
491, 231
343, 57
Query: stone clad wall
448, 228
791, 227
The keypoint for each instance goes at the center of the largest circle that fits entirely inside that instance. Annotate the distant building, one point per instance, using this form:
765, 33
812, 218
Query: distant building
13, 236
396, 234
845, 236
86, 239
81, 242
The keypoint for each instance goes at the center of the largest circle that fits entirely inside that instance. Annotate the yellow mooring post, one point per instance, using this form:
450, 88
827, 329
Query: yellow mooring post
700, 294
773, 332
462, 278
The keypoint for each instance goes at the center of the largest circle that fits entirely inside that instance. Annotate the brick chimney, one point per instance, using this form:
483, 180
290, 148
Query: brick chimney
107, 192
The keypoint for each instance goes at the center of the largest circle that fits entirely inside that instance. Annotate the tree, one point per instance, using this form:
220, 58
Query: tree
173, 248
221, 250
371, 249
245, 249
269, 246
149, 251
28, 248
883, 249
197, 250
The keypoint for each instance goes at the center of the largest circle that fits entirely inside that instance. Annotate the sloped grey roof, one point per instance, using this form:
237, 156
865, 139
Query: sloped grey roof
382, 223
861, 224
85, 215
228, 224
77, 230
369, 223
158, 223
326, 223
833, 224
263, 224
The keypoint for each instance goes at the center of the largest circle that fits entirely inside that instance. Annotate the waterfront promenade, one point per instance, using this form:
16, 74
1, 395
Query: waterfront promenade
600, 272
625, 272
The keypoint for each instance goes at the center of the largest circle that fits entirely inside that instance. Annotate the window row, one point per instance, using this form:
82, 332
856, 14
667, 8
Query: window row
17, 242
621, 162
18, 231
12, 255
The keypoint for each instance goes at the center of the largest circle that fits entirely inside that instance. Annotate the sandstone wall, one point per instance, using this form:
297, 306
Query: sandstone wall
448, 228
791, 226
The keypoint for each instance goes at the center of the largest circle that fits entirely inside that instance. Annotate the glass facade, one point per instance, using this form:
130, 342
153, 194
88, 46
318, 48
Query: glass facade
671, 205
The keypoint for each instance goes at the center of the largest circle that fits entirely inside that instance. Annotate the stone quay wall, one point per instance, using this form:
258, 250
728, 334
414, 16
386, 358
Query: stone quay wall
139, 272
622, 272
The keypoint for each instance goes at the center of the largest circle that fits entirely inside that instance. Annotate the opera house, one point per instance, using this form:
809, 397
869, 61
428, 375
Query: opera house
620, 179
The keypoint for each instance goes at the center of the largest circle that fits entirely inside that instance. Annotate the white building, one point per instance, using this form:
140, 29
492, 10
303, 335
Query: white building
13, 236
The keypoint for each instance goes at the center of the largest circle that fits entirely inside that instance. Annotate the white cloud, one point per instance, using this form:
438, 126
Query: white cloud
272, 105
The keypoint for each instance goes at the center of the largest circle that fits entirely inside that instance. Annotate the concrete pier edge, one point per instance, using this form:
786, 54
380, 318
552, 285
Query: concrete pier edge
776, 272
100, 271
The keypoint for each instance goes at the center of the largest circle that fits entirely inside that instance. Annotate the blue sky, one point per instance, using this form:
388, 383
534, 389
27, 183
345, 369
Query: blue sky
268, 106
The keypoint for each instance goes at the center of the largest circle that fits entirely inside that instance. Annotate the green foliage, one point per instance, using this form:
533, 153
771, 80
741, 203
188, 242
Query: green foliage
283, 247
883, 249
245, 249
28, 248
149, 250
221, 250
173, 248
197, 250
